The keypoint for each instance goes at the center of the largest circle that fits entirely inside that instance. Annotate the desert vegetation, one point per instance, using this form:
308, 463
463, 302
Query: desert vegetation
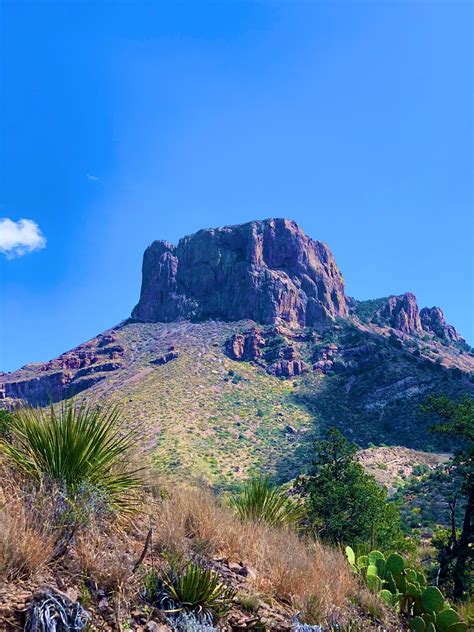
89, 537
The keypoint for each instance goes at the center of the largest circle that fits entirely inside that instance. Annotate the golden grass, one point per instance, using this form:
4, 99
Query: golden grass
185, 521
106, 558
26, 545
307, 575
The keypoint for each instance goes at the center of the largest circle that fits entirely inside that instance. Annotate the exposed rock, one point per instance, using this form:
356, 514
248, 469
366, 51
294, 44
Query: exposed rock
247, 346
401, 312
53, 387
268, 271
171, 354
358, 351
95, 368
247, 571
269, 348
323, 359
433, 321
107, 339
288, 364
39, 390
401, 389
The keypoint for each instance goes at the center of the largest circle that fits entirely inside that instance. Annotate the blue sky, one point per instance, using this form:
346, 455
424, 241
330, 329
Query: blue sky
124, 122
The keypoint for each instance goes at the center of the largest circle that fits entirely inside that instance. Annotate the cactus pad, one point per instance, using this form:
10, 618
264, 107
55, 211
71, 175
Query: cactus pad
432, 598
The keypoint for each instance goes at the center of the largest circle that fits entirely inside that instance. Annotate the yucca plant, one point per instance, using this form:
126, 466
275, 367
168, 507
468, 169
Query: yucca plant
199, 588
192, 589
260, 501
75, 448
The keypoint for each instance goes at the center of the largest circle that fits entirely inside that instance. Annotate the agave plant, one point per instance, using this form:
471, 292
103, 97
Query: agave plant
260, 501
76, 447
198, 588
193, 589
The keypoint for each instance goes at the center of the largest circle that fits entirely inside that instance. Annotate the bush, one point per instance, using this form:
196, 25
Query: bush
77, 449
260, 501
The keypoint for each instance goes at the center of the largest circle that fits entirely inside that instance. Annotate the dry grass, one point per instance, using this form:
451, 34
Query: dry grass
26, 545
106, 558
307, 575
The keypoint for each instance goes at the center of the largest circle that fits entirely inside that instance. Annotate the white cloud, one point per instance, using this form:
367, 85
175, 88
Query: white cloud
91, 178
20, 238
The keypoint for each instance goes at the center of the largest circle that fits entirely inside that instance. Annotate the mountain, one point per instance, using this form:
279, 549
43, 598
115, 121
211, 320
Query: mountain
244, 345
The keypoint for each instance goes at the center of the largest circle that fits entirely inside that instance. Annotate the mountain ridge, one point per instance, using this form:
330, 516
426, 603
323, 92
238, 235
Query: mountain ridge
221, 398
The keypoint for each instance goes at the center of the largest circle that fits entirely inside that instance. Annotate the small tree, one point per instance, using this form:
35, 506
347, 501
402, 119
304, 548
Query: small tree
456, 553
345, 504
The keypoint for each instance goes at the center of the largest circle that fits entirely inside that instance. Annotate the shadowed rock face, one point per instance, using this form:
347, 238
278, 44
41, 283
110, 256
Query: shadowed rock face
267, 271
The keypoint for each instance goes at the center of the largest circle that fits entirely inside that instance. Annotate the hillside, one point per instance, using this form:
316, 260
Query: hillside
242, 350
217, 398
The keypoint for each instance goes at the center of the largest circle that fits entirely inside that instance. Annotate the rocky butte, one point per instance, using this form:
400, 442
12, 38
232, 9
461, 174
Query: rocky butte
267, 271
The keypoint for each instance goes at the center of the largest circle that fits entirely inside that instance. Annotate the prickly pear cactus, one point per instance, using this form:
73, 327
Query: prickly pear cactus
457, 627
350, 555
405, 590
445, 618
417, 625
394, 564
432, 599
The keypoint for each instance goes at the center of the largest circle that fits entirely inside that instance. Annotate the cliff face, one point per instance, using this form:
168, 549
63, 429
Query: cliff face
433, 321
267, 271
402, 313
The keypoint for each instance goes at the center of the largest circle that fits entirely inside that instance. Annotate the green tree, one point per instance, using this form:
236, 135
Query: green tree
345, 504
456, 552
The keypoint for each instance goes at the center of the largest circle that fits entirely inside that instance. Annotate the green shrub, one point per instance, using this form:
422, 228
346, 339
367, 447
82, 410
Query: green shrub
261, 501
75, 448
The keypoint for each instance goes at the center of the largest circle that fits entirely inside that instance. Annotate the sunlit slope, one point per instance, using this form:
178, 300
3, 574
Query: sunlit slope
204, 415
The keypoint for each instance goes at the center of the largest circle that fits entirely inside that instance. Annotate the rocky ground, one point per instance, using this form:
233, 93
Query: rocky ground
391, 465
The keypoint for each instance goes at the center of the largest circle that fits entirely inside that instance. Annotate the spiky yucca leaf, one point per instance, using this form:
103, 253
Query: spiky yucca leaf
260, 501
198, 588
75, 447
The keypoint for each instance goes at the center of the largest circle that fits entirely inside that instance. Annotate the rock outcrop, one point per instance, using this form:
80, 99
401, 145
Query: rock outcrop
433, 321
402, 313
171, 354
269, 349
267, 271
65, 376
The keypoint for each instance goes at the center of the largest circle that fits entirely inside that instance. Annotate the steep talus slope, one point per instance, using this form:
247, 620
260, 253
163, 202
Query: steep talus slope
244, 347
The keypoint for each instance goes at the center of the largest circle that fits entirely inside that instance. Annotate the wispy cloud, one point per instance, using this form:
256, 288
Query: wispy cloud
20, 238
91, 178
